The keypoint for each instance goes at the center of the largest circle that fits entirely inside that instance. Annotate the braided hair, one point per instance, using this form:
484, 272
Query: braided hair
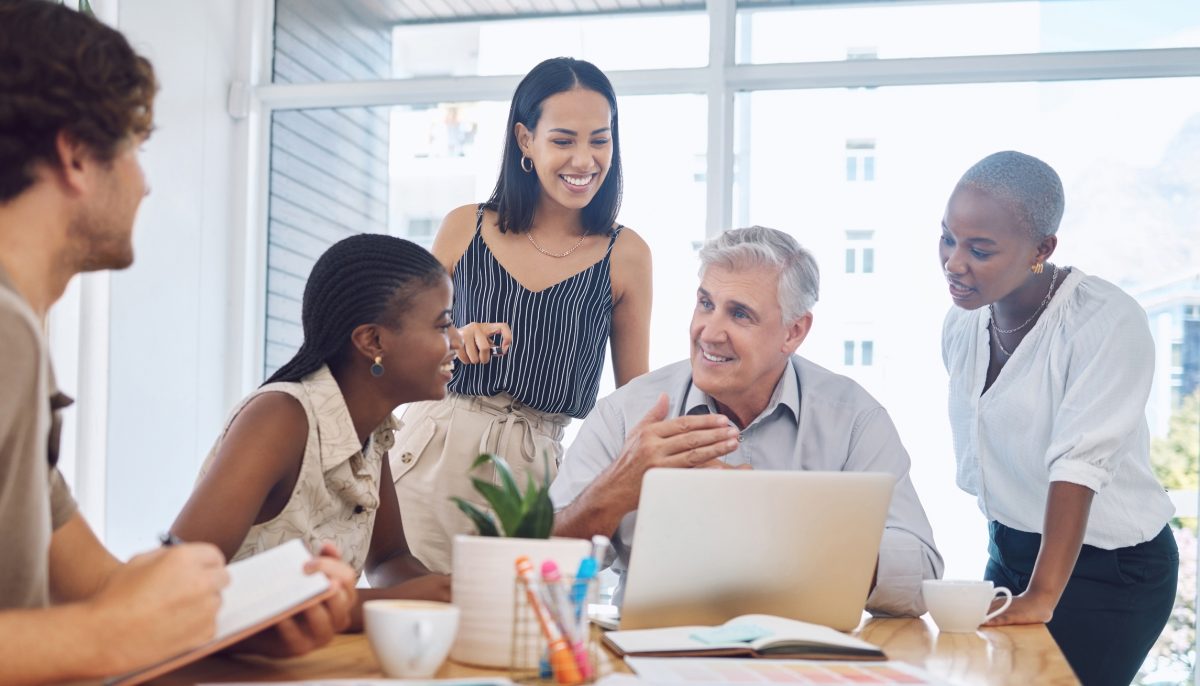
363, 279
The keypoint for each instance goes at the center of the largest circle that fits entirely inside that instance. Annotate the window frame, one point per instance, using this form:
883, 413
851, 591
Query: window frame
253, 98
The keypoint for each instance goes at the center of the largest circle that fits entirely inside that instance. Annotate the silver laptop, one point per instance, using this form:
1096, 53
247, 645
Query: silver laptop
710, 545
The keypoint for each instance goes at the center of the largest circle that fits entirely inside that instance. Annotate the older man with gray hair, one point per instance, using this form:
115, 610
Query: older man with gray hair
745, 400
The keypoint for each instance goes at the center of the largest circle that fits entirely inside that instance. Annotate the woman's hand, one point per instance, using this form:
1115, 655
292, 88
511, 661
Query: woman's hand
1027, 608
316, 626
477, 341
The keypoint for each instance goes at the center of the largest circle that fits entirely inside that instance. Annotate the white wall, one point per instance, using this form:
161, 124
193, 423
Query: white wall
175, 315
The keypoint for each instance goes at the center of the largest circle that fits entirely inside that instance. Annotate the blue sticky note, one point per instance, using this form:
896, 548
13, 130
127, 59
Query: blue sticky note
741, 632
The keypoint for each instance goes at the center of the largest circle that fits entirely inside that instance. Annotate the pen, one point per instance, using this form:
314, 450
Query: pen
561, 659
169, 539
561, 606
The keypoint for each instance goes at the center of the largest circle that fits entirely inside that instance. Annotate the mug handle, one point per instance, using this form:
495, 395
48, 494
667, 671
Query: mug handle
1007, 601
422, 632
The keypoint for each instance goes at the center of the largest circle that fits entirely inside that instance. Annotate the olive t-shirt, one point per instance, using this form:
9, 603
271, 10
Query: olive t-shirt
34, 499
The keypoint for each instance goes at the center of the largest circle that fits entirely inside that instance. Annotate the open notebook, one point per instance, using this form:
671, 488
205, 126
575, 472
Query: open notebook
778, 637
263, 590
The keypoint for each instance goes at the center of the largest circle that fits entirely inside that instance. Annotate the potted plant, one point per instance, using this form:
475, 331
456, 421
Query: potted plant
484, 566
484, 572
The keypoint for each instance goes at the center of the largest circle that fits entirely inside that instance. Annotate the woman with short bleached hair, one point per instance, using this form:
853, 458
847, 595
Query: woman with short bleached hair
1050, 369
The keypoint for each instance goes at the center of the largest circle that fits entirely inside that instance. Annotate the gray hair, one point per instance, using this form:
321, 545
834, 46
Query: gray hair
1027, 185
758, 246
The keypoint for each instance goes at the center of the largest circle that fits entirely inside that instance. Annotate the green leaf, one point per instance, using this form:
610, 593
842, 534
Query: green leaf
86, 8
539, 520
502, 469
506, 504
482, 521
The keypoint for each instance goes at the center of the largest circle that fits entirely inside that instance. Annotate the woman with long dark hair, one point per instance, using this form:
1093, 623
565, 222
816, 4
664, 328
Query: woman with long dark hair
545, 279
305, 455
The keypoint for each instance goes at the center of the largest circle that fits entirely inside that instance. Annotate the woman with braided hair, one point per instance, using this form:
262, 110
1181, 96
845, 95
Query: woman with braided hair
305, 455
545, 279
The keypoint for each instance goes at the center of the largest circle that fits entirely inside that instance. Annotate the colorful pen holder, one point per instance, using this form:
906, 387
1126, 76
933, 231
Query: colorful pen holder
543, 652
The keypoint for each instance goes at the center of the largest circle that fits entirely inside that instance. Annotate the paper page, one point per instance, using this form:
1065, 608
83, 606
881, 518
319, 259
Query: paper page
658, 640
784, 630
675, 671
474, 681
265, 585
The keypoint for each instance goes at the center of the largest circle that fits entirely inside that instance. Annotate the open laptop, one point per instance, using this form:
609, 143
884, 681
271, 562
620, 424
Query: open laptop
710, 545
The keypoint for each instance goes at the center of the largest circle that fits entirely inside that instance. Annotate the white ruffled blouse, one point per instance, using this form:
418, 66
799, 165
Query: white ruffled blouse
1069, 405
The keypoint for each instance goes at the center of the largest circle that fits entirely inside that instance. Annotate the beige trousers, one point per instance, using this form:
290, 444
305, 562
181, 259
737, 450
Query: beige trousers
431, 461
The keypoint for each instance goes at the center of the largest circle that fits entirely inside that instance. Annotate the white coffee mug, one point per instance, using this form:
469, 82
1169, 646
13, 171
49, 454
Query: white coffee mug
410, 637
961, 606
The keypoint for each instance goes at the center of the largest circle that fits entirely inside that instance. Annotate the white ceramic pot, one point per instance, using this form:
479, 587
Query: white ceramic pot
482, 583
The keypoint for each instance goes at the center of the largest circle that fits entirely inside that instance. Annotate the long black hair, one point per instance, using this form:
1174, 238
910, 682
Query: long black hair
363, 279
516, 195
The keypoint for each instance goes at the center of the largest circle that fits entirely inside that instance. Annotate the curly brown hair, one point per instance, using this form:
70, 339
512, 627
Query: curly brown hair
61, 70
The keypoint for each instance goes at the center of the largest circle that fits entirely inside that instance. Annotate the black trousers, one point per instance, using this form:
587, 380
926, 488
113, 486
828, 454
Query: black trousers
1115, 605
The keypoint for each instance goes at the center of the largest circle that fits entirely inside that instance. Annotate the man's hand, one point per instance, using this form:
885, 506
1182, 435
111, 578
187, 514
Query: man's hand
689, 441
317, 625
158, 604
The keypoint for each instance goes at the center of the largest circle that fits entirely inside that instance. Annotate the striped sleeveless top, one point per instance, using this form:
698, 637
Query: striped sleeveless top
559, 334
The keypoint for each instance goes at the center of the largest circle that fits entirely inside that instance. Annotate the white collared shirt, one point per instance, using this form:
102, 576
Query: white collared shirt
816, 420
1069, 405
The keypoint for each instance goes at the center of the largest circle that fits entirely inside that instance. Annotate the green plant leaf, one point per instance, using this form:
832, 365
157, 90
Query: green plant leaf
506, 504
502, 469
86, 8
482, 521
538, 519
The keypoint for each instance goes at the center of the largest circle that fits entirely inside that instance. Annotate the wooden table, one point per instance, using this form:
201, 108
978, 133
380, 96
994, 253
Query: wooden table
1009, 655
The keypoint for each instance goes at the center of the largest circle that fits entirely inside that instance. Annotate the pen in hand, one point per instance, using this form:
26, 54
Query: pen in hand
169, 539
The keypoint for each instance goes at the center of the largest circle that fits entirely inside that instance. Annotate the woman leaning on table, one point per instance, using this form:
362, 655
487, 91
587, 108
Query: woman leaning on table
1050, 370
543, 276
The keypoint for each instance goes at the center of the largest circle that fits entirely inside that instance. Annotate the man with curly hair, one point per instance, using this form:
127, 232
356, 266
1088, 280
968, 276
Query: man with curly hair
75, 103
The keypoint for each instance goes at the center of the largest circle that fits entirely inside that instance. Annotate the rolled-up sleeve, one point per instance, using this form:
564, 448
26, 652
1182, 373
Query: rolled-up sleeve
595, 447
1108, 375
907, 553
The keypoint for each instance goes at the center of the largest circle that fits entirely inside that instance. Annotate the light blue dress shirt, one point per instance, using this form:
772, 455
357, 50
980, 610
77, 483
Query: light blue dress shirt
817, 421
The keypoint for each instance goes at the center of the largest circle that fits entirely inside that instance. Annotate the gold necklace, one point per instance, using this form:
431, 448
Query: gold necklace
547, 253
997, 330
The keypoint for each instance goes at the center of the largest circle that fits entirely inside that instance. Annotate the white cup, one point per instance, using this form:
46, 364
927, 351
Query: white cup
961, 606
410, 637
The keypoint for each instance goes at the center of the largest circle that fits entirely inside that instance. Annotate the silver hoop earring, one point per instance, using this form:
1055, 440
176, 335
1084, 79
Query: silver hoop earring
525, 169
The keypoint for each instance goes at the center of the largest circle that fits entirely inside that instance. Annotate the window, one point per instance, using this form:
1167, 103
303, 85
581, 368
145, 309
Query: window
829, 31
866, 353
860, 160
935, 122
860, 253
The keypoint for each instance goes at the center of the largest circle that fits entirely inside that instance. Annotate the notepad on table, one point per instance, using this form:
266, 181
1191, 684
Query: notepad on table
263, 590
779, 637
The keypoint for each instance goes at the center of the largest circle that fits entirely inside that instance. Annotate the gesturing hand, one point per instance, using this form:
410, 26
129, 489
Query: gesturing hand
477, 341
688, 441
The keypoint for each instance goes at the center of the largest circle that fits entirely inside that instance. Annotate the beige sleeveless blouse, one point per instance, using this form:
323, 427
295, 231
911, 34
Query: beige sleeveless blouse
337, 494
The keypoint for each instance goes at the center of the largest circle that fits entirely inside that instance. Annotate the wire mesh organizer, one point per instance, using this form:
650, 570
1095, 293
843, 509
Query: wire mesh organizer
543, 651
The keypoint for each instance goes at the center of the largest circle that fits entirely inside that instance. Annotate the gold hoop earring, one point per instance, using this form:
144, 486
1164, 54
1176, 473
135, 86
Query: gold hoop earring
377, 368
525, 169
1037, 268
